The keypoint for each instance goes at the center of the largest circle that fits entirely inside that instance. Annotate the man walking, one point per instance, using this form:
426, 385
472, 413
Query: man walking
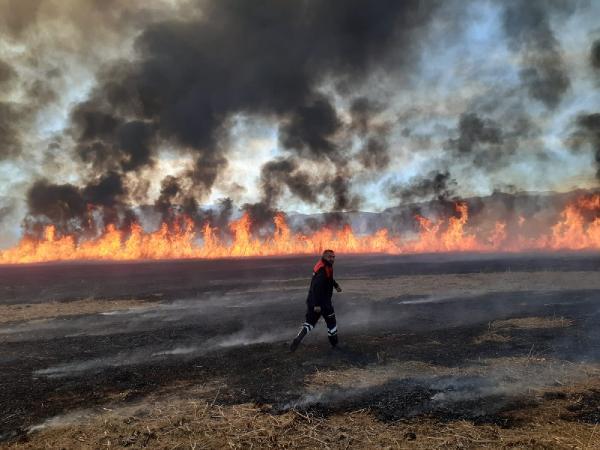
318, 302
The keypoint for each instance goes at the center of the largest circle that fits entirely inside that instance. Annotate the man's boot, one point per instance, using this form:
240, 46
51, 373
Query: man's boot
333, 340
298, 339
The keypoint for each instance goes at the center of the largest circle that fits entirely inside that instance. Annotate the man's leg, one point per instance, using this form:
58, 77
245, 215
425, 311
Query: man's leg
329, 316
311, 320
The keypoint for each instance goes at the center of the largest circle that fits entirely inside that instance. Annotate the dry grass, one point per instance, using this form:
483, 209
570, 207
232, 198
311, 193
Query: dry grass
499, 330
490, 336
363, 377
531, 323
195, 423
33, 311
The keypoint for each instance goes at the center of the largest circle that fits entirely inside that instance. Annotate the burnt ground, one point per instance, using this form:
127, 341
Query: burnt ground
229, 323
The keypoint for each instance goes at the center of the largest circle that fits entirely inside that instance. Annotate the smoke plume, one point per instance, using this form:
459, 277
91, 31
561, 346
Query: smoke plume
595, 54
108, 109
528, 28
588, 134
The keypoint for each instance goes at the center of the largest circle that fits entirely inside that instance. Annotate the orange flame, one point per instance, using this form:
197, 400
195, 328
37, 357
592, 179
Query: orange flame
578, 228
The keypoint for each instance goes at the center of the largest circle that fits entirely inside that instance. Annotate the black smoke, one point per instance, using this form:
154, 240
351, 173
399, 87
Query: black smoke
475, 132
175, 202
344, 199
107, 142
191, 77
74, 209
63, 205
7, 73
170, 192
480, 141
595, 55
311, 130
435, 185
527, 24
7, 207
488, 143
374, 153
11, 117
37, 74
280, 173
587, 133
106, 191
301, 64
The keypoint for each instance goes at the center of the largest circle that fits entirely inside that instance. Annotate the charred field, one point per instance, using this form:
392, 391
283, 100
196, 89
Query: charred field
435, 351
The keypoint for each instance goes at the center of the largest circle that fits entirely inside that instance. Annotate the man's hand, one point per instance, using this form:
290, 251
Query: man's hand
338, 288
317, 309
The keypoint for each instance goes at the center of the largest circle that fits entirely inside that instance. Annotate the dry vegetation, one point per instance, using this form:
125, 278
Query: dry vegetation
531, 323
201, 422
362, 377
499, 330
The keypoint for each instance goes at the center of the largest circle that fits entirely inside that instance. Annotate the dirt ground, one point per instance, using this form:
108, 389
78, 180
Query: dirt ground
33, 311
470, 351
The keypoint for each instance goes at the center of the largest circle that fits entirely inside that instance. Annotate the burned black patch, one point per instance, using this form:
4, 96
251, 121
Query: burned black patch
586, 407
471, 398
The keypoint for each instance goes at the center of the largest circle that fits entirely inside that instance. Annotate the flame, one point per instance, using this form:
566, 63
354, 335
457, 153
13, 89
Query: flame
433, 237
578, 228
572, 232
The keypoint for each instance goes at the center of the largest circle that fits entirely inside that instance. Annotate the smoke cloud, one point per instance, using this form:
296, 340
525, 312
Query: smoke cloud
141, 110
475, 133
438, 185
183, 89
588, 134
281, 173
71, 208
595, 55
529, 31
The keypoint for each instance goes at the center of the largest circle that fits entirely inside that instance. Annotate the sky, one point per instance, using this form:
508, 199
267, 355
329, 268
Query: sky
306, 106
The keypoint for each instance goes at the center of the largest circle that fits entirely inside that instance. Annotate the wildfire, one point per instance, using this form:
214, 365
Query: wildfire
578, 228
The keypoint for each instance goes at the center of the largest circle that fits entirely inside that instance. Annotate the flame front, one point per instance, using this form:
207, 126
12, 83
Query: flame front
575, 230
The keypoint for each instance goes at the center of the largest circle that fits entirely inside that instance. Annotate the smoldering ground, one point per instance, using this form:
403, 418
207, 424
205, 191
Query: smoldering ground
444, 315
480, 393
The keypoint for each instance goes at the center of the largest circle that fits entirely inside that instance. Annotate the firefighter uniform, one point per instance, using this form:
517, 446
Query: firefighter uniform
318, 303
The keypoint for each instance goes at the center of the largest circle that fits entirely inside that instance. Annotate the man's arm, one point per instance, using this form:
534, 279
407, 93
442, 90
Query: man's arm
337, 286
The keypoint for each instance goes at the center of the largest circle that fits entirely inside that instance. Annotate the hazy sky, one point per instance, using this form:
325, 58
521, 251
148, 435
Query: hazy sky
295, 105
